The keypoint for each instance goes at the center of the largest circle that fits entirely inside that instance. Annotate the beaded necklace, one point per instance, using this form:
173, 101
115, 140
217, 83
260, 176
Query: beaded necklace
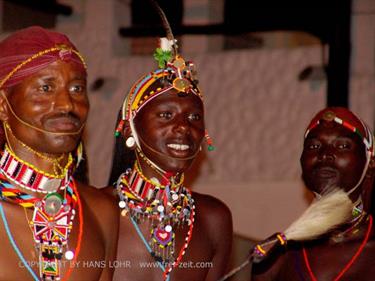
359, 217
29, 177
51, 222
58, 170
351, 261
166, 206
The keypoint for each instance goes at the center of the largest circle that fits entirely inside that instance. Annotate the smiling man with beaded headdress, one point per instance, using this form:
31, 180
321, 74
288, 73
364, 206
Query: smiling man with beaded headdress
44, 212
166, 231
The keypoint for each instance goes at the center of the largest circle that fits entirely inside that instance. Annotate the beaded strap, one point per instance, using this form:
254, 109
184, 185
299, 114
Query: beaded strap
29, 177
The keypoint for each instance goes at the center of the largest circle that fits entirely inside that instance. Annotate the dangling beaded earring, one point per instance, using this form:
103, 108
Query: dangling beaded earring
130, 142
119, 128
209, 141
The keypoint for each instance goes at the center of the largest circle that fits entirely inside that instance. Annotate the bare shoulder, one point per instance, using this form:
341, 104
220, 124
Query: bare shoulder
215, 220
100, 203
211, 209
214, 217
96, 196
102, 208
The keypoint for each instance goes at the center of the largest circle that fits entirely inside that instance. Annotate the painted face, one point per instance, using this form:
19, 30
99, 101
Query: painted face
54, 99
332, 156
171, 129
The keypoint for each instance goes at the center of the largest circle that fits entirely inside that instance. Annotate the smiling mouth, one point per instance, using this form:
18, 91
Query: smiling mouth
180, 150
178, 147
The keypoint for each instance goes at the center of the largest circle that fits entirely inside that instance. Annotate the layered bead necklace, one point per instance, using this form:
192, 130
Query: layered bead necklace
165, 206
53, 215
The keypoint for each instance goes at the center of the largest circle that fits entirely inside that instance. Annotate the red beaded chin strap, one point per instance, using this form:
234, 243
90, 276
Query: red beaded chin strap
349, 264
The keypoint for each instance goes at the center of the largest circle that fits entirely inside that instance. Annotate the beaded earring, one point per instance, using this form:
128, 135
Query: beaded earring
209, 141
119, 128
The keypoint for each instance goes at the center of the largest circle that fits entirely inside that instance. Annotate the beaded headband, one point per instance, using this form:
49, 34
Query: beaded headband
64, 53
330, 116
178, 76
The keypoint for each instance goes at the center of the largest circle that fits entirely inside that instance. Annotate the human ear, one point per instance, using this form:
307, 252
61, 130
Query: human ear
126, 131
4, 110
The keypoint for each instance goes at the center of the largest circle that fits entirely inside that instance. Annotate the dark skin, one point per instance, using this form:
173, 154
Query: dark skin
172, 119
55, 99
332, 156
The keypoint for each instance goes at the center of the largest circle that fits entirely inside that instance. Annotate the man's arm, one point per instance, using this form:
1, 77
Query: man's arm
218, 219
106, 212
268, 269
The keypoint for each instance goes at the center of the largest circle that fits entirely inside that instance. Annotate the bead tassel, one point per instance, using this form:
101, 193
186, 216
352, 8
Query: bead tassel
209, 141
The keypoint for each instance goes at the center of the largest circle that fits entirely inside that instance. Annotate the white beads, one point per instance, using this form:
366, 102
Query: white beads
168, 228
69, 255
122, 204
130, 142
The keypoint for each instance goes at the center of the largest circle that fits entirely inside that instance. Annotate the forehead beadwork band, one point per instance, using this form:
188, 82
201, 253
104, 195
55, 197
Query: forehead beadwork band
330, 116
142, 92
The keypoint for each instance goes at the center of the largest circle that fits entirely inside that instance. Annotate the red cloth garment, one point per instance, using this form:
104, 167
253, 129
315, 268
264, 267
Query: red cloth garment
23, 44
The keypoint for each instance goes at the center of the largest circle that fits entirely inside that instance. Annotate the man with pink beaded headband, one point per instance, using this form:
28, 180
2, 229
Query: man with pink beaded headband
167, 232
334, 237
44, 212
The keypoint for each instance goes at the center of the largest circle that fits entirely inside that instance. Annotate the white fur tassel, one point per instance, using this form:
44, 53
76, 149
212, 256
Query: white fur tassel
165, 44
321, 216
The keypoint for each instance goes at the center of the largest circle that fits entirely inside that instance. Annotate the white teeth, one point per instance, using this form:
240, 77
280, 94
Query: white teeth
178, 146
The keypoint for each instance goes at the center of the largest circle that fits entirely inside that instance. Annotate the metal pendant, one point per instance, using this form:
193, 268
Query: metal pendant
52, 204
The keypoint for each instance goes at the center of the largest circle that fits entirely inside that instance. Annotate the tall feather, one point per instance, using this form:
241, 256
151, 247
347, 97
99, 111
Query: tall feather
165, 22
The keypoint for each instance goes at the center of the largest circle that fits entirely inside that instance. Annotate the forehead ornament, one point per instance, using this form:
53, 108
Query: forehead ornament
65, 52
329, 116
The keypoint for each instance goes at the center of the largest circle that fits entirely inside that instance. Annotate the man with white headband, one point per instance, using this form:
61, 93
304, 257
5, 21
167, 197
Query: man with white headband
338, 242
51, 228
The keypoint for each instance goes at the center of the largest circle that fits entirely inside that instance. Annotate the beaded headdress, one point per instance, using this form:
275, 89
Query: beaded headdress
175, 75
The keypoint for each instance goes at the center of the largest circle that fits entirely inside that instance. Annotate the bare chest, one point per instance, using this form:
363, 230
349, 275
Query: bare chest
17, 234
136, 262
339, 262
